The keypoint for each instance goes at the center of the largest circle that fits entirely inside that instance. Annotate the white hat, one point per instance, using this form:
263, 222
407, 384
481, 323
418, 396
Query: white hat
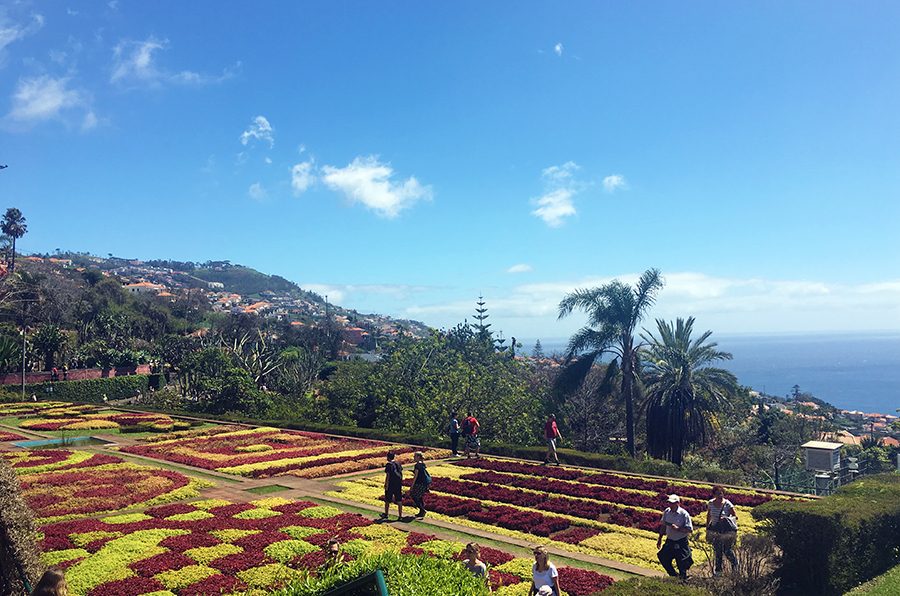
545, 591
674, 499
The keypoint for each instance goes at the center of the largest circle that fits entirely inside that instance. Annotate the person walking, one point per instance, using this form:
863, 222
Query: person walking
393, 486
421, 482
721, 528
454, 434
676, 526
471, 428
544, 576
476, 566
551, 434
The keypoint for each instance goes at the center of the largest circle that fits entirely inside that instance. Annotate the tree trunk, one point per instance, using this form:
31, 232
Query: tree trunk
628, 394
12, 263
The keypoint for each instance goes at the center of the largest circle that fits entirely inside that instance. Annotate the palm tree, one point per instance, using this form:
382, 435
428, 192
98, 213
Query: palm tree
614, 311
683, 390
13, 225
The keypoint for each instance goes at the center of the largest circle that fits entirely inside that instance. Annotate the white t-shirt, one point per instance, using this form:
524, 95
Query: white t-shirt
544, 578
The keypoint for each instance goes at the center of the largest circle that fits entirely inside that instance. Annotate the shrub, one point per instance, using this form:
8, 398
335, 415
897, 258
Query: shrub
406, 575
86, 390
652, 586
883, 585
18, 550
833, 544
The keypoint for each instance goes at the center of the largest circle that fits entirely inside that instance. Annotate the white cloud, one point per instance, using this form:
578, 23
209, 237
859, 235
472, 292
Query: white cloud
554, 206
560, 187
12, 32
724, 304
519, 268
90, 121
558, 49
366, 180
268, 160
257, 192
134, 62
260, 130
334, 293
43, 98
614, 182
302, 176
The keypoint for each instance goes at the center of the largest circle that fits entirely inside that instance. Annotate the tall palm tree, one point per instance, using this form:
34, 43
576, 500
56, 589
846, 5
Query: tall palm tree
614, 311
683, 390
13, 225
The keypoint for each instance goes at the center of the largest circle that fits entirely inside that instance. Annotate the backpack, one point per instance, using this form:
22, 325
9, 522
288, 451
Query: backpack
467, 426
396, 470
426, 477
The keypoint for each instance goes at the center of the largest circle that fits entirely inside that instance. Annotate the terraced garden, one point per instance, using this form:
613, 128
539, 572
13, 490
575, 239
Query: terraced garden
121, 524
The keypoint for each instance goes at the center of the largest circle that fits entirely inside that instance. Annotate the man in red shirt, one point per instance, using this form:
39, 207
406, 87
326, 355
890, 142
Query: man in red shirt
551, 434
470, 433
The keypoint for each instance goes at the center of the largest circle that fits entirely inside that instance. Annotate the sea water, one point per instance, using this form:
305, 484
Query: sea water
854, 371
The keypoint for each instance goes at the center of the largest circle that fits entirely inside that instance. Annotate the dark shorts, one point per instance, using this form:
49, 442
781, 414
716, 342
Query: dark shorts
551, 444
394, 494
472, 442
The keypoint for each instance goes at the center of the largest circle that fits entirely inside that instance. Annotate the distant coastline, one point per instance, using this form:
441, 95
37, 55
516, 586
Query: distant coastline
853, 371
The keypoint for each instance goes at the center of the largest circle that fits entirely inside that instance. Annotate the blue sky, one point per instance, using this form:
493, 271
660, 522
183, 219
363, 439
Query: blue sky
405, 157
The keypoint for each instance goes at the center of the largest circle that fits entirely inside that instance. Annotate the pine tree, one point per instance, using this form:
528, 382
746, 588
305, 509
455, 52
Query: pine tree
482, 329
538, 350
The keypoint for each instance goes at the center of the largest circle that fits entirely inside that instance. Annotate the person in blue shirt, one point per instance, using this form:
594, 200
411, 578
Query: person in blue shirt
676, 526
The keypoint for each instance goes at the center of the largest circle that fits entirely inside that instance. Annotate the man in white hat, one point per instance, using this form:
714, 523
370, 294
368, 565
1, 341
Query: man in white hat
676, 526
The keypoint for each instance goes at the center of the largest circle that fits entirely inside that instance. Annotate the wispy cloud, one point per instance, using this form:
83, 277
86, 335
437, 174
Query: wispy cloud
614, 182
519, 268
558, 49
134, 62
560, 187
370, 182
302, 176
339, 292
11, 32
43, 98
259, 130
257, 192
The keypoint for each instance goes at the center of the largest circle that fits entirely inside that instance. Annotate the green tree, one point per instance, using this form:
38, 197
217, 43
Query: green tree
49, 341
614, 310
538, 350
14, 226
683, 391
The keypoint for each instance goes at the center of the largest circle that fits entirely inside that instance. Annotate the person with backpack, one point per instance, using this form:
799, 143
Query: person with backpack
721, 528
470, 432
421, 482
393, 486
454, 434
551, 435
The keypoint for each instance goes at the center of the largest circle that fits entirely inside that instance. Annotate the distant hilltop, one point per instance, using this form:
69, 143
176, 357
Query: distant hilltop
228, 287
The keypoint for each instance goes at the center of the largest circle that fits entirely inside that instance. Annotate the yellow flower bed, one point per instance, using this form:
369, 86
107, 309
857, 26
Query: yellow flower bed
247, 469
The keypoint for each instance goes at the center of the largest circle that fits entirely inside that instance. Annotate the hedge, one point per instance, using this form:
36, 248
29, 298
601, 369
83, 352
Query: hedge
86, 390
653, 586
833, 544
883, 585
19, 554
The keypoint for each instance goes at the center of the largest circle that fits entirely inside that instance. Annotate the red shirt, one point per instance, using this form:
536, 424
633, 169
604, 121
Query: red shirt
474, 427
550, 430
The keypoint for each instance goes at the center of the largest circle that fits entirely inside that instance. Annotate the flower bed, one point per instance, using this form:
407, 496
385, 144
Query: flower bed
210, 547
76, 418
59, 484
265, 452
8, 436
571, 507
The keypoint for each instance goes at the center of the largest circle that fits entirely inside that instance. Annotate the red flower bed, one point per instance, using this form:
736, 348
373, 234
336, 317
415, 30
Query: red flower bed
161, 562
232, 564
521, 520
7, 436
501, 578
580, 582
133, 586
179, 544
214, 584
576, 534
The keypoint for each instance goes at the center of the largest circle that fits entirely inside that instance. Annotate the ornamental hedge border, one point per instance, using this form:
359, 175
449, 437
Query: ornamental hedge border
86, 390
833, 544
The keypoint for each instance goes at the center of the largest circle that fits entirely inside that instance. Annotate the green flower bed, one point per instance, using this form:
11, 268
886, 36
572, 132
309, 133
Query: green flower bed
406, 575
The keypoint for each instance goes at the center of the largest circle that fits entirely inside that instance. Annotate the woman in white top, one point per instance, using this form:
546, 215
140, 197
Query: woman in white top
543, 574
717, 509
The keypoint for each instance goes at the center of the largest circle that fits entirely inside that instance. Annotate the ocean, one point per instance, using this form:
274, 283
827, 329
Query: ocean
854, 371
